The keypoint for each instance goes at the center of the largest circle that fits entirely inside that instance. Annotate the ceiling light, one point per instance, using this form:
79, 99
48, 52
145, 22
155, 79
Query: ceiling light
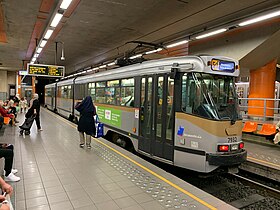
96, 68
33, 59
264, 17
89, 70
135, 56
211, 33
111, 64
153, 51
32, 62
36, 55
65, 4
56, 19
43, 43
177, 44
103, 66
39, 50
48, 34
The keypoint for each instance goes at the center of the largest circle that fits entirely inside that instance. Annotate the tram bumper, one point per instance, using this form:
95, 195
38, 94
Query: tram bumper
227, 159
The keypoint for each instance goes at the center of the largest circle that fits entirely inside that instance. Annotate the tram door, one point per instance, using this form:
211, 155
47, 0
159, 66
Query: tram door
157, 116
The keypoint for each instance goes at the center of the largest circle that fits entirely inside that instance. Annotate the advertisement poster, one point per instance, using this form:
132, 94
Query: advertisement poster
109, 116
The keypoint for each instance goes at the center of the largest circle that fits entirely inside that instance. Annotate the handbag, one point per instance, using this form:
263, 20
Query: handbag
99, 127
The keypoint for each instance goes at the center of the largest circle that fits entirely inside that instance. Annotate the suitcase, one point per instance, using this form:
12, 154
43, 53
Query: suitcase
26, 126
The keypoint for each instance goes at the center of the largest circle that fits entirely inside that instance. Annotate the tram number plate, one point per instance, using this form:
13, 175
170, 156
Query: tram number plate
232, 139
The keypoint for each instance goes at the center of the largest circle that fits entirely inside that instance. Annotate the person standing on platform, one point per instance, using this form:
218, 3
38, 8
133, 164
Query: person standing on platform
86, 124
35, 109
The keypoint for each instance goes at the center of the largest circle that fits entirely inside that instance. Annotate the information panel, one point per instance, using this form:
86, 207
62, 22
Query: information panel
45, 70
220, 65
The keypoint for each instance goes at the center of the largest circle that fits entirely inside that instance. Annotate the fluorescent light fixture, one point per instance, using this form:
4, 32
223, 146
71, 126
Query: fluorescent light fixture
56, 19
111, 64
32, 62
135, 56
39, 50
263, 17
43, 43
211, 33
65, 4
153, 51
103, 66
96, 68
177, 44
33, 59
89, 70
48, 34
36, 55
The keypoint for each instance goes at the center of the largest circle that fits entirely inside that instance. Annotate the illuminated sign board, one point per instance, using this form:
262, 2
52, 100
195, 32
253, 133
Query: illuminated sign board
45, 70
22, 72
220, 65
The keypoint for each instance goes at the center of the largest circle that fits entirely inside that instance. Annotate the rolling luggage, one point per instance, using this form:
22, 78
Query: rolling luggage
26, 126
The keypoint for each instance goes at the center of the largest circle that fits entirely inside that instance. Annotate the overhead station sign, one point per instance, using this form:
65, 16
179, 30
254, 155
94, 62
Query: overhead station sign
45, 70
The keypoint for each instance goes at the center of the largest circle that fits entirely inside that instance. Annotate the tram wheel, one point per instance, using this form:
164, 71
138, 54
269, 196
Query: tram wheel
27, 132
21, 132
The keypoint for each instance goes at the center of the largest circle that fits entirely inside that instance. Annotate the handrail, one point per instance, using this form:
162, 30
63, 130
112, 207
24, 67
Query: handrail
243, 107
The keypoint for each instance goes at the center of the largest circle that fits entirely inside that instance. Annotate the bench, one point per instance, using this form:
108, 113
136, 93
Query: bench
250, 127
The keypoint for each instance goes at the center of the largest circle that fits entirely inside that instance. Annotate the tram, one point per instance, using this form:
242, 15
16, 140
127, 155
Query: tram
179, 110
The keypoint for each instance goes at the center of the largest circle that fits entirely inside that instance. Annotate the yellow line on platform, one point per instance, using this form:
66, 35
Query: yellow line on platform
263, 161
145, 168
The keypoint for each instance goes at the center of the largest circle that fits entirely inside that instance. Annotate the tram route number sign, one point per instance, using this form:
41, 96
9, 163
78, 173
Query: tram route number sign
45, 70
221, 65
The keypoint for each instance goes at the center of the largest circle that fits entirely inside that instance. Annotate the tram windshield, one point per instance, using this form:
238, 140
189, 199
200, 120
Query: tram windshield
209, 96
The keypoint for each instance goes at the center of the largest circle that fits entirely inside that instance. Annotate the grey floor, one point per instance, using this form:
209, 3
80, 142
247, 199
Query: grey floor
56, 174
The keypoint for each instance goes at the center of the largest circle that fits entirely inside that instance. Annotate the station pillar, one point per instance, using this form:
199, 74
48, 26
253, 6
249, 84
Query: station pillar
262, 85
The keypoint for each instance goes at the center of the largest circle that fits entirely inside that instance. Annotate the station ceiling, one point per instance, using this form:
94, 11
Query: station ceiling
96, 31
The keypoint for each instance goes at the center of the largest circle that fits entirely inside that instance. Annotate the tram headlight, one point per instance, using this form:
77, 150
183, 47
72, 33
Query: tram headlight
234, 147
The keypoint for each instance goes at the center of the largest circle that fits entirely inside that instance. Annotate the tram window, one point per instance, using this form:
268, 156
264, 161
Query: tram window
170, 121
113, 83
112, 95
127, 82
79, 91
127, 96
100, 95
66, 91
143, 91
127, 92
91, 90
100, 84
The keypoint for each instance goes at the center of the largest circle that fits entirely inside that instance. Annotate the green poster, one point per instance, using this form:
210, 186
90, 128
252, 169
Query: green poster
110, 116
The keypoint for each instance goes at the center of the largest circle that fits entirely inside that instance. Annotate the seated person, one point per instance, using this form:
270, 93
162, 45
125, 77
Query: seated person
7, 152
276, 139
12, 109
5, 113
8, 189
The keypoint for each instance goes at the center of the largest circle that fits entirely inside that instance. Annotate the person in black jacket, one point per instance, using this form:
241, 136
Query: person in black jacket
35, 109
86, 124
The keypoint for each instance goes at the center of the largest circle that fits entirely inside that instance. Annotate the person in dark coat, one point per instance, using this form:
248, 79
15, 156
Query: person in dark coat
35, 110
86, 124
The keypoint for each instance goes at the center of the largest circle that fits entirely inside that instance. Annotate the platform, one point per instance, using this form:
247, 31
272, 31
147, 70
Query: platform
263, 159
56, 174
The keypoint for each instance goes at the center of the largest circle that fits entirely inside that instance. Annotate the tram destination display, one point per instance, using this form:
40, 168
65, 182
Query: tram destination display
220, 65
45, 70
